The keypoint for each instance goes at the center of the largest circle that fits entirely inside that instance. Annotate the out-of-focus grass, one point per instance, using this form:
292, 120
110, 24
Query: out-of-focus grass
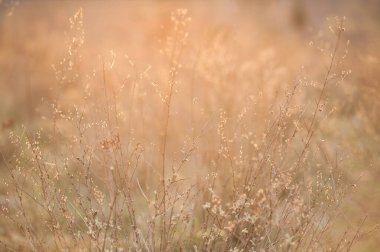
239, 61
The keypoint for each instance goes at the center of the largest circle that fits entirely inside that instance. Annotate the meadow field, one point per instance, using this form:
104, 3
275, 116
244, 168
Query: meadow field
226, 125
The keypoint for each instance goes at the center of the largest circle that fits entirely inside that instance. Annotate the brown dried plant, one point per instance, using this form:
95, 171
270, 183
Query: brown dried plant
240, 170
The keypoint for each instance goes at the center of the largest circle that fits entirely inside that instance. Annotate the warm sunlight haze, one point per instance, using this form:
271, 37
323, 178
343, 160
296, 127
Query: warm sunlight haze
162, 125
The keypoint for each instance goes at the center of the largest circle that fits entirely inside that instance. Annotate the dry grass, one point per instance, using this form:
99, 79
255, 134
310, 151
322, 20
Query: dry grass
200, 138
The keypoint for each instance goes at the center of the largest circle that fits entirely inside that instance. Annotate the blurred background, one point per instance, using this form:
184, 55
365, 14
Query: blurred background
287, 39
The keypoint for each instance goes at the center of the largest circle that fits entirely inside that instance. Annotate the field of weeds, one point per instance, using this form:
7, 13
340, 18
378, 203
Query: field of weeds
189, 125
